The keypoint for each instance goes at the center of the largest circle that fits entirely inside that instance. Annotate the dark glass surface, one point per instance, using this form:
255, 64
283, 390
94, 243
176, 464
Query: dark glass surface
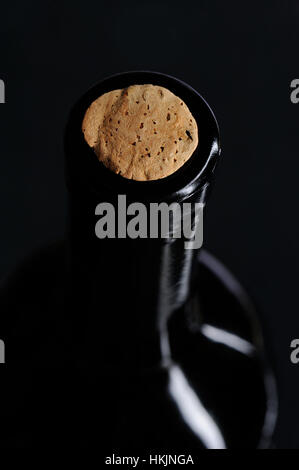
92, 387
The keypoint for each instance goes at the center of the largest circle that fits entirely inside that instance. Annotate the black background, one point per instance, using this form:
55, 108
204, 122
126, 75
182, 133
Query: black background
241, 56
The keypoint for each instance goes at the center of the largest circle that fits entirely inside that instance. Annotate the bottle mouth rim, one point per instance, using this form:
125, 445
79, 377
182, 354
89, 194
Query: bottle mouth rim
84, 171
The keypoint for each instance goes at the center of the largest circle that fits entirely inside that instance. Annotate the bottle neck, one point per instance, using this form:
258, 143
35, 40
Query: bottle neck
126, 289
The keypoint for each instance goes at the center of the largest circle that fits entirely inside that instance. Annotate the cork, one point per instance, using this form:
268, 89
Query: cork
143, 132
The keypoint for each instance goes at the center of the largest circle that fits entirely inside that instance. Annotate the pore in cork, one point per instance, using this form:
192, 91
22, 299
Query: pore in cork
143, 132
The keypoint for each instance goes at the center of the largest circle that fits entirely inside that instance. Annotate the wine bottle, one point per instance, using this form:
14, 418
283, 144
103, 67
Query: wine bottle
133, 344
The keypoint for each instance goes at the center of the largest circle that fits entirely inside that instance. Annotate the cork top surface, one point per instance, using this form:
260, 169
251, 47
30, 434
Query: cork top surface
143, 132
